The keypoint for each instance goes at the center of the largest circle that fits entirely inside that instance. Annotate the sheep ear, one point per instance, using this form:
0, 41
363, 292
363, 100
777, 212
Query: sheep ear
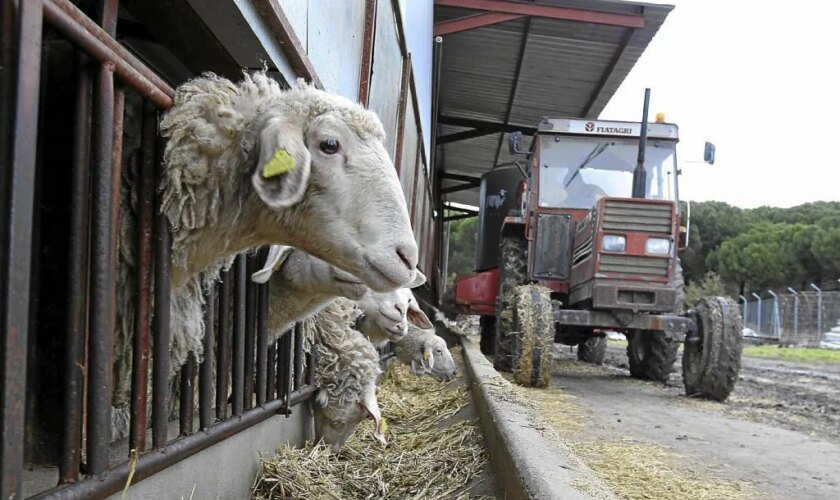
428, 358
282, 170
419, 279
417, 317
277, 255
370, 405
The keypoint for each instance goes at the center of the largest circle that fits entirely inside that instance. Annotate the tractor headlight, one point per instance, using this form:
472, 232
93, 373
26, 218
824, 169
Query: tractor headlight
613, 243
658, 246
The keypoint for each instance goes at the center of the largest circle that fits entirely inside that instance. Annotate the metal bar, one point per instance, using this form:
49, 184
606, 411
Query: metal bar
605, 319
79, 29
367, 52
271, 368
262, 342
142, 339
186, 405
459, 177
280, 27
473, 21
406, 76
222, 346
155, 461
21, 25
460, 187
77, 268
239, 292
286, 370
549, 12
162, 334
523, 47
311, 359
298, 372
103, 260
468, 134
206, 370
413, 208
472, 123
250, 331
459, 217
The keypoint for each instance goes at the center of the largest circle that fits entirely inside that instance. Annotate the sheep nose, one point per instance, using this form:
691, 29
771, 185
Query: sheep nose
407, 253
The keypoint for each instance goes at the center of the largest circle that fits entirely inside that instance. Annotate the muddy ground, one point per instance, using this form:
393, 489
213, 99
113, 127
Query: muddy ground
778, 435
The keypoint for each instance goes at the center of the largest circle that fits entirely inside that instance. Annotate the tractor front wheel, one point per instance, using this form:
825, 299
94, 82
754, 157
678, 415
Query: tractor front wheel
593, 350
513, 272
712, 357
651, 355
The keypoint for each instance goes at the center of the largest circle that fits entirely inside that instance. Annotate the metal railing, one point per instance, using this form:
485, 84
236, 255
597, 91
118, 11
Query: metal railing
267, 378
806, 317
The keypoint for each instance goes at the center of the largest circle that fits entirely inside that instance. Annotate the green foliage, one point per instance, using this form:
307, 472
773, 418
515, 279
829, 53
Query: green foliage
801, 354
462, 241
711, 285
826, 244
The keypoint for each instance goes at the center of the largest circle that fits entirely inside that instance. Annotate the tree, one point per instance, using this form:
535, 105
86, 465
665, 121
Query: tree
826, 244
462, 244
710, 286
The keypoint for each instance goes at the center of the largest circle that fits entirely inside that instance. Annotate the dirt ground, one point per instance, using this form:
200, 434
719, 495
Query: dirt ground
778, 435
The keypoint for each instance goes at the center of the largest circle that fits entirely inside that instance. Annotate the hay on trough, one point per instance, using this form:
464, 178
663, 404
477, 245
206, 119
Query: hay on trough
429, 454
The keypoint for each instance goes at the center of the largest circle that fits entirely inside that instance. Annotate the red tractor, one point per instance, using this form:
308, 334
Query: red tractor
581, 240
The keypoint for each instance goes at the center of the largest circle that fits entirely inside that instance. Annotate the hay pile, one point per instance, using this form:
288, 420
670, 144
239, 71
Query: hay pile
426, 456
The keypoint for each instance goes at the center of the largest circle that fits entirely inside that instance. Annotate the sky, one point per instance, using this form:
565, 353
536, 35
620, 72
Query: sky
759, 79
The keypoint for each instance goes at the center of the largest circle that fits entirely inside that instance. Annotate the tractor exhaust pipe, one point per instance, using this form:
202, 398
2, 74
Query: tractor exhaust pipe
640, 174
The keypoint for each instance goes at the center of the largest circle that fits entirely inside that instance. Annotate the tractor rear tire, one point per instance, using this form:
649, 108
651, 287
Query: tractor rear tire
593, 350
711, 364
488, 334
513, 272
533, 336
651, 355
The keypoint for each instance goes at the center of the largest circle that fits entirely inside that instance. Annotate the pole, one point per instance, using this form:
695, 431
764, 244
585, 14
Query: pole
795, 312
758, 320
746, 310
775, 324
640, 174
819, 311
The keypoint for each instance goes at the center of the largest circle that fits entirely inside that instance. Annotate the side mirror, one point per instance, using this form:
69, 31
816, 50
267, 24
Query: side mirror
515, 143
709, 153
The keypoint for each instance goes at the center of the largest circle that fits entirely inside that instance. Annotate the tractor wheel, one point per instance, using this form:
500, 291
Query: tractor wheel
593, 350
651, 355
488, 334
533, 335
679, 284
513, 272
711, 363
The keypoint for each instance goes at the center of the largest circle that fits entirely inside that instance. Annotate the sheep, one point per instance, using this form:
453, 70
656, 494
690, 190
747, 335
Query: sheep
426, 353
386, 316
346, 371
496, 200
251, 164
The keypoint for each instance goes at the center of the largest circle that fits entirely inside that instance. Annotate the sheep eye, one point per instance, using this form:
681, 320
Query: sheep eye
329, 146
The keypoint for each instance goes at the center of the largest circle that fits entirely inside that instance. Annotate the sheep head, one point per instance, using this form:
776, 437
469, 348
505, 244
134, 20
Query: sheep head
433, 358
335, 423
301, 271
392, 312
251, 164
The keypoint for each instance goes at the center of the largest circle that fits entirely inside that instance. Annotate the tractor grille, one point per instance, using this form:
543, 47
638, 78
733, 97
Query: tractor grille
648, 267
630, 216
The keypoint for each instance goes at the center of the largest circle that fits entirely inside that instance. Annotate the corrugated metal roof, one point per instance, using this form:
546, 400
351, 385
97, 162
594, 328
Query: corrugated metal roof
567, 68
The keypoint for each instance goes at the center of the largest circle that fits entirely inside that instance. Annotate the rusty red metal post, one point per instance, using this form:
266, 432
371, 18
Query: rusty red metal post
161, 331
549, 12
367, 52
20, 55
280, 27
140, 360
404, 87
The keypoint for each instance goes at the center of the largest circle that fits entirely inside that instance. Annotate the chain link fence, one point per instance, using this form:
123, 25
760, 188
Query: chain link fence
805, 318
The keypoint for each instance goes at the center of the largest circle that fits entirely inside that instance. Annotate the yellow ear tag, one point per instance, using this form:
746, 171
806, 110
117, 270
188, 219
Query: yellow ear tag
279, 164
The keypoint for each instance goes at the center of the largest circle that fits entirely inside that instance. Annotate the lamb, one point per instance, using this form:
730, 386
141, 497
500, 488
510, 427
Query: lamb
251, 164
386, 316
496, 200
426, 353
347, 368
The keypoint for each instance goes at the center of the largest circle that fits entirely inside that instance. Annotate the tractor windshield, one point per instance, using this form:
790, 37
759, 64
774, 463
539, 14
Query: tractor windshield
576, 171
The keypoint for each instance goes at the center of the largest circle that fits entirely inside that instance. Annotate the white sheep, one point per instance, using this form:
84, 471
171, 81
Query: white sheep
346, 371
426, 353
386, 316
250, 164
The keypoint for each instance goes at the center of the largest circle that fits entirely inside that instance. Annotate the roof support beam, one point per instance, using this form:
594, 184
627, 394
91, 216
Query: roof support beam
460, 177
471, 22
482, 124
461, 187
549, 11
526, 33
619, 54
468, 134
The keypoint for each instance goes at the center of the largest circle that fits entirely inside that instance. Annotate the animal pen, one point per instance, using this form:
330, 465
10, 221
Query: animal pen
83, 86
84, 83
